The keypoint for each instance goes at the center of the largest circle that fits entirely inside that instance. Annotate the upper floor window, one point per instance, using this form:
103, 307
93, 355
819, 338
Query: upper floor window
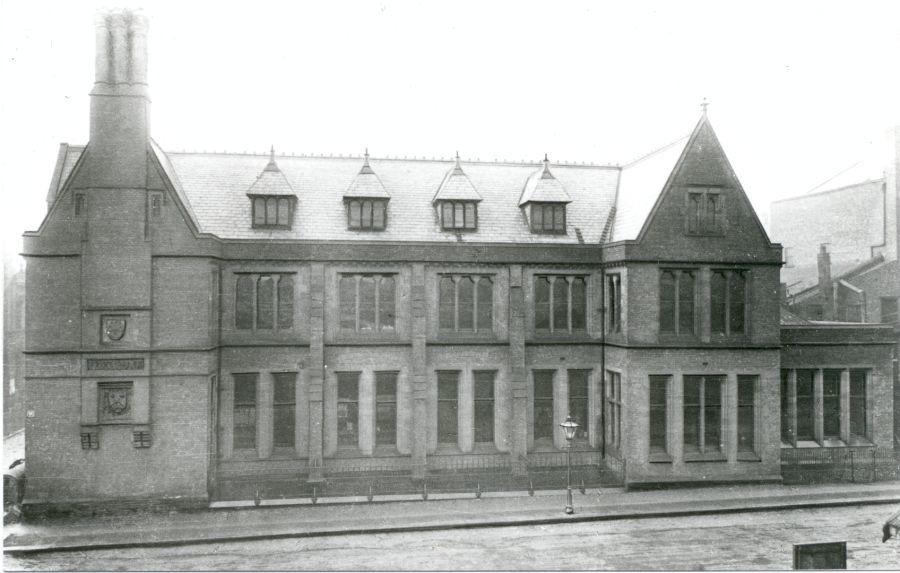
548, 218
466, 303
676, 302
614, 303
367, 302
705, 212
728, 294
367, 214
459, 215
889, 309
272, 212
560, 303
264, 302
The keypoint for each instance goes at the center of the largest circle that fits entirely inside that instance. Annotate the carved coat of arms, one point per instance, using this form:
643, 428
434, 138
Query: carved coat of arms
114, 327
117, 401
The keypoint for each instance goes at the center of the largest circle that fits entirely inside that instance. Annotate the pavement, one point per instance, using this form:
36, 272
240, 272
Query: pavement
354, 516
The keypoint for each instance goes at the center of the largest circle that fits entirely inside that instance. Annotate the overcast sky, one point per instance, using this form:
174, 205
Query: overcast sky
797, 90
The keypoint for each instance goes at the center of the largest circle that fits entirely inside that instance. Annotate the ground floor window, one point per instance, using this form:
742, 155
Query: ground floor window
703, 414
484, 405
578, 401
659, 398
244, 412
448, 407
543, 404
746, 414
284, 403
613, 409
386, 408
840, 414
348, 409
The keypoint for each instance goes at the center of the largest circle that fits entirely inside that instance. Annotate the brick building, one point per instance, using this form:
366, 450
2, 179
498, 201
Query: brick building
205, 326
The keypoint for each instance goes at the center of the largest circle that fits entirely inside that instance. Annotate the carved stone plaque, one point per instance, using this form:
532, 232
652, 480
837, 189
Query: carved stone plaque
115, 363
115, 401
113, 328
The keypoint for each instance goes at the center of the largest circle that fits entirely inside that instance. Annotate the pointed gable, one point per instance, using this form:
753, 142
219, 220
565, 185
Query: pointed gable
542, 187
366, 184
271, 181
456, 186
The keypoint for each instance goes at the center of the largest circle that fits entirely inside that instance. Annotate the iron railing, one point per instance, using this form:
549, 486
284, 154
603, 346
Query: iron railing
830, 465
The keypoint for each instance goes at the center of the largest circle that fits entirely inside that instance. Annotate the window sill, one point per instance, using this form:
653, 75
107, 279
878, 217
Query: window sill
807, 444
748, 457
833, 442
347, 452
860, 441
660, 458
708, 457
385, 451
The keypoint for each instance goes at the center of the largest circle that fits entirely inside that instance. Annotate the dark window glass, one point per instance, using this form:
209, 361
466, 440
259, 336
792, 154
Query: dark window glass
348, 302
542, 303
366, 214
285, 302
659, 390
736, 301
667, 302
703, 413
244, 414
712, 213
271, 211
259, 211
470, 215
712, 413
355, 210
284, 211
613, 398
378, 214
559, 218
459, 217
694, 212
466, 301
560, 304
579, 303
831, 403
805, 409
386, 303
484, 406
446, 304
265, 303
243, 307
614, 303
717, 291
79, 204
578, 401
686, 303
692, 413
858, 425
284, 410
448, 406
485, 305
386, 408
537, 218
348, 408
366, 303
447, 215
787, 430
543, 404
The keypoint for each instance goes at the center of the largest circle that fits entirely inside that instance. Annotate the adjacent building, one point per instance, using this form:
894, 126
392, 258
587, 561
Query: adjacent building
207, 325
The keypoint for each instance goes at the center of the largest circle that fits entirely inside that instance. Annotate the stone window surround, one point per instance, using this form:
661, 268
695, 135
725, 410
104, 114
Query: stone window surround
265, 393
281, 202
614, 407
561, 404
706, 224
676, 296
362, 224
613, 302
675, 420
728, 274
402, 312
702, 307
477, 328
465, 207
276, 276
845, 438
466, 409
569, 330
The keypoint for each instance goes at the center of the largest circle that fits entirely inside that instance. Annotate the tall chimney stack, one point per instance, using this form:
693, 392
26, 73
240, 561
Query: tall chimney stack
826, 289
120, 106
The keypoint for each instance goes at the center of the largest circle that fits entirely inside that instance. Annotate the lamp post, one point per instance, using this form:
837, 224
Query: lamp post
569, 426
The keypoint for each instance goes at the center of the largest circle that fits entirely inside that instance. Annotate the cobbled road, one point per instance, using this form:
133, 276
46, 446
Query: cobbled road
744, 541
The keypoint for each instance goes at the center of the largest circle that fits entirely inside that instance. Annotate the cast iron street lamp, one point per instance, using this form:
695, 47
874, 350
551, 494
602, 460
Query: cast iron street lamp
569, 426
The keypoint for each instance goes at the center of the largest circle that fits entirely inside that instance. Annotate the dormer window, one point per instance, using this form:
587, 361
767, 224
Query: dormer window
548, 218
273, 212
367, 214
459, 215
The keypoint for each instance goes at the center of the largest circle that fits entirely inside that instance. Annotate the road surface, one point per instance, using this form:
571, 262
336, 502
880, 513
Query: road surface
746, 541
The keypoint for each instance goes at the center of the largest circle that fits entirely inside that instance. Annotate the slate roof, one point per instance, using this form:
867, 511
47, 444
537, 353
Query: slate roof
543, 187
366, 183
271, 181
457, 186
640, 184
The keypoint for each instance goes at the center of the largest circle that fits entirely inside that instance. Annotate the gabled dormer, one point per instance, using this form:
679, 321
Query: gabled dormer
366, 200
272, 199
457, 201
544, 199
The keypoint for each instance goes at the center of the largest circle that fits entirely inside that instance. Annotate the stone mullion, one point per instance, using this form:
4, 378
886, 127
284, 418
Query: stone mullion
420, 418
517, 427
316, 370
